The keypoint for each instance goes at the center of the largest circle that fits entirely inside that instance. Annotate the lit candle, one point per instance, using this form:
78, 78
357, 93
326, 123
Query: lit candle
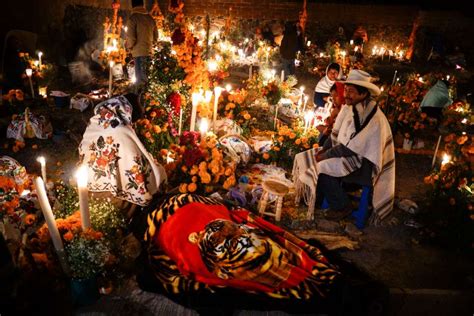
351, 42
40, 54
308, 43
29, 73
394, 77
228, 87
212, 65
217, 94
196, 97
250, 71
305, 102
273, 74
82, 179
43, 92
42, 162
111, 65
446, 159
203, 127
321, 55
50, 221
307, 119
180, 120
343, 53
282, 78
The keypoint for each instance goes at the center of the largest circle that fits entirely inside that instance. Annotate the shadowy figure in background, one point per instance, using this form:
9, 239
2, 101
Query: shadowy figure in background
436, 99
360, 35
141, 35
13, 66
289, 48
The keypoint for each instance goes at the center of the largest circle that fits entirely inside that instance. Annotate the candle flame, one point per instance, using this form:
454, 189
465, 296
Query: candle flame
446, 159
29, 72
228, 87
82, 176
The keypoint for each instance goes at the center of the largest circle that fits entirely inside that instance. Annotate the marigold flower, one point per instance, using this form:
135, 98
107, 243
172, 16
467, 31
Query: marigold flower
265, 156
30, 219
298, 141
192, 187
68, 236
157, 129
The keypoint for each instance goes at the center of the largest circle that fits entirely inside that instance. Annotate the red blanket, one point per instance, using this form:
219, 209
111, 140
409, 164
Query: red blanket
197, 243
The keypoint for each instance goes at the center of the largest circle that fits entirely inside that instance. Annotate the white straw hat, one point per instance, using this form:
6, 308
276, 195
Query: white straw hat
362, 78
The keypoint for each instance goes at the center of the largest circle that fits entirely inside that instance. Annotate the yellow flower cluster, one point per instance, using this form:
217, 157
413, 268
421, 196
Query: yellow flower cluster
211, 172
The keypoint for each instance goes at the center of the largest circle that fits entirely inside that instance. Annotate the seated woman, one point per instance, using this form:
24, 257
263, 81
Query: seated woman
321, 92
117, 161
334, 104
196, 245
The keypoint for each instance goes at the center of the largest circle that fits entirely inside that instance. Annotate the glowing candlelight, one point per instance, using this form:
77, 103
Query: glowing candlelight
203, 127
50, 221
447, 77
29, 73
306, 97
40, 54
43, 91
42, 162
282, 77
208, 96
111, 65
464, 121
228, 87
273, 73
196, 98
446, 159
217, 94
321, 55
308, 43
351, 42
307, 119
82, 179
212, 65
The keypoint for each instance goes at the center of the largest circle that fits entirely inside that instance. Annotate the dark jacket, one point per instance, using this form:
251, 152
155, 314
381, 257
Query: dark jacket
289, 43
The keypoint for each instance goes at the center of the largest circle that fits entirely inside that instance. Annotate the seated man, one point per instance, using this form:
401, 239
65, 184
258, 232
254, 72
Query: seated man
118, 161
360, 150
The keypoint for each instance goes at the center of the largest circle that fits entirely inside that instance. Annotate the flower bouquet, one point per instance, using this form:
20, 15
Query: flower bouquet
288, 142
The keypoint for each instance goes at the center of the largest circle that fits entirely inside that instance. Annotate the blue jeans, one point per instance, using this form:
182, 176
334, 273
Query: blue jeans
288, 65
141, 65
331, 188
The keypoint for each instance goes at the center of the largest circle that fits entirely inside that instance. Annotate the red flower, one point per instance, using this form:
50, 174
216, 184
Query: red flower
178, 37
192, 156
102, 162
189, 138
140, 178
174, 99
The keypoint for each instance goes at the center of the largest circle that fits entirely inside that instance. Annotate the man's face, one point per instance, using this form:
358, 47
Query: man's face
332, 74
352, 96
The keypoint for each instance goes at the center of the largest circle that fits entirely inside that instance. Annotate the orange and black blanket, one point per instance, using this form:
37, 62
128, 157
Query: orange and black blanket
196, 245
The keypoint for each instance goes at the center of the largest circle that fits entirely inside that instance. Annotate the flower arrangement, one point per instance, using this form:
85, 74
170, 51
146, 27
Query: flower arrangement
403, 110
452, 184
287, 142
43, 74
200, 167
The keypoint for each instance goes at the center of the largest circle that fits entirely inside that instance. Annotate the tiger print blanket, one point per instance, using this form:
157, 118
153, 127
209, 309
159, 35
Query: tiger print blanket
197, 245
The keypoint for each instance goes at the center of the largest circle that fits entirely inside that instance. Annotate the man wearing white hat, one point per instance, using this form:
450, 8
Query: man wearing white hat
359, 151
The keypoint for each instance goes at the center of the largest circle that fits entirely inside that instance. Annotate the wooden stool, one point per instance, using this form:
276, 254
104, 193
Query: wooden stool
276, 188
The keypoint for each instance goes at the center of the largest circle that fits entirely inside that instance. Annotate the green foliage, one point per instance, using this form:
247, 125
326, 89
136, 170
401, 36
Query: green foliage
86, 256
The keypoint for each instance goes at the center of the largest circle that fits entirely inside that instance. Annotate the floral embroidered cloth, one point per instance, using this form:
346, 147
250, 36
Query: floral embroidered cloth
117, 160
13, 178
29, 125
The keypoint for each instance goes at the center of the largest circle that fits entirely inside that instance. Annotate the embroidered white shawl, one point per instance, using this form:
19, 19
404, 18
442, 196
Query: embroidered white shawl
117, 160
374, 143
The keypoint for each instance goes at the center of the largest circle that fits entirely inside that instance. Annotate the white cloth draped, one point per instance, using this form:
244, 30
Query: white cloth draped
117, 160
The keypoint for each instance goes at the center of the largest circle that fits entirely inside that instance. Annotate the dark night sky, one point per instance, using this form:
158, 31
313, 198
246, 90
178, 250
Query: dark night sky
424, 4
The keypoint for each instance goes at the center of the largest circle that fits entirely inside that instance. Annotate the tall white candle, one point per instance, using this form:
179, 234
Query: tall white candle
282, 78
196, 97
180, 120
394, 77
50, 222
29, 73
435, 152
111, 65
217, 94
276, 117
250, 71
42, 162
40, 54
82, 179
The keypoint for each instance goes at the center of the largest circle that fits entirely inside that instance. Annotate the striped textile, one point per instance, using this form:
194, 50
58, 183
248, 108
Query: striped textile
374, 143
